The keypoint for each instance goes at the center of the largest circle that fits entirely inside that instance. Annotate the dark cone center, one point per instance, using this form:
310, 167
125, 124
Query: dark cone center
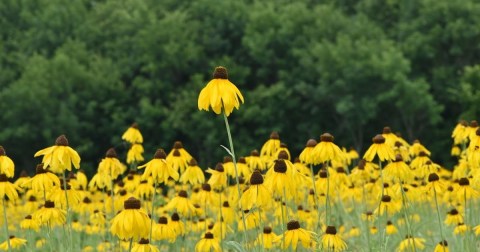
163, 220
311, 143
208, 235
282, 155
144, 241
267, 230
255, 153
178, 145
387, 130
206, 187
131, 203
160, 154
326, 137
183, 194
386, 198
398, 158
176, 153
111, 153
2, 151
49, 204
464, 182
292, 225
280, 166
256, 178
331, 230
175, 217
61, 141
220, 73
242, 160
193, 162
274, 135
219, 167
378, 139
433, 177
3, 178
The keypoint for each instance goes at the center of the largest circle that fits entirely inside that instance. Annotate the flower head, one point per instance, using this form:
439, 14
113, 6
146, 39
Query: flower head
158, 169
133, 135
220, 94
14, 242
132, 222
331, 241
208, 243
379, 148
7, 166
60, 156
295, 234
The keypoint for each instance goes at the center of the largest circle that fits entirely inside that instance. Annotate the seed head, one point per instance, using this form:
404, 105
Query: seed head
220, 73
61, 141
331, 230
111, 153
311, 143
433, 177
292, 225
256, 178
326, 137
280, 166
378, 139
131, 203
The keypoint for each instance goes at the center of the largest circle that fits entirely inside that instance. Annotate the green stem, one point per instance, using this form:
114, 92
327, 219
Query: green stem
315, 197
5, 223
283, 216
327, 198
152, 212
438, 216
130, 245
221, 221
405, 214
69, 221
230, 141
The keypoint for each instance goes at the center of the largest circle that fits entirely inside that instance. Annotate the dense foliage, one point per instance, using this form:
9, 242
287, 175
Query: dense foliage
88, 69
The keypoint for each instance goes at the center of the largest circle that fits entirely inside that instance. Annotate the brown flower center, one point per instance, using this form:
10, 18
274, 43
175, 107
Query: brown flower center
326, 137
292, 225
331, 230
220, 73
131, 203
61, 141
160, 154
378, 139
280, 166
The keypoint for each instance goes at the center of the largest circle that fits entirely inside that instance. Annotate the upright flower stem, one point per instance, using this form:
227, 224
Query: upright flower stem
315, 196
327, 198
69, 221
405, 214
283, 215
221, 220
232, 152
5, 224
438, 216
130, 245
152, 212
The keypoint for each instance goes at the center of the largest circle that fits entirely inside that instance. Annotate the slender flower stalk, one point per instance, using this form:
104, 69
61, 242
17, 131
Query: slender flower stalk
232, 153
152, 212
5, 224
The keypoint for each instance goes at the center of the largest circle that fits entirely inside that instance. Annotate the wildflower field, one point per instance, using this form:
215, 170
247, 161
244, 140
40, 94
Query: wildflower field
393, 197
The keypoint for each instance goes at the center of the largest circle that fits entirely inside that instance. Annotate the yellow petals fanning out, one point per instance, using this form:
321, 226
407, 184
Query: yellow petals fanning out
220, 94
59, 157
133, 135
133, 222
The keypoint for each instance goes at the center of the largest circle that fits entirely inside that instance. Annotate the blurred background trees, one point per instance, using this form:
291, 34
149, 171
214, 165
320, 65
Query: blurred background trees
88, 69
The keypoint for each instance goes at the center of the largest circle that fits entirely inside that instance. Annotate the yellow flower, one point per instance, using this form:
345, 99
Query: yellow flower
30, 223
441, 247
57, 195
43, 181
326, 150
163, 231
271, 146
391, 229
435, 185
417, 148
110, 165
411, 243
453, 217
307, 155
461, 229
177, 226
331, 241
7, 166
218, 178
133, 135
379, 148
295, 234
7, 189
132, 222
193, 175
134, 154
208, 244
255, 162
50, 215
280, 178
180, 152
388, 205
15, 243
460, 132
144, 246
397, 170
257, 194
220, 94
181, 204
266, 238
465, 191
158, 168
59, 157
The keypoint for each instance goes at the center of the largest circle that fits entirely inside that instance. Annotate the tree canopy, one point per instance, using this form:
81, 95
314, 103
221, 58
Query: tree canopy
88, 69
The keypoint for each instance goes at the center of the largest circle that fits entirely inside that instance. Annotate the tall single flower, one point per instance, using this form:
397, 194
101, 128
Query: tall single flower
193, 174
208, 243
59, 157
133, 135
220, 94
14, 243
144, 246
158, 168
134, 154
307, 155
50, 215
271, 146
7, 166
411, 243
43, 181
7, 188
